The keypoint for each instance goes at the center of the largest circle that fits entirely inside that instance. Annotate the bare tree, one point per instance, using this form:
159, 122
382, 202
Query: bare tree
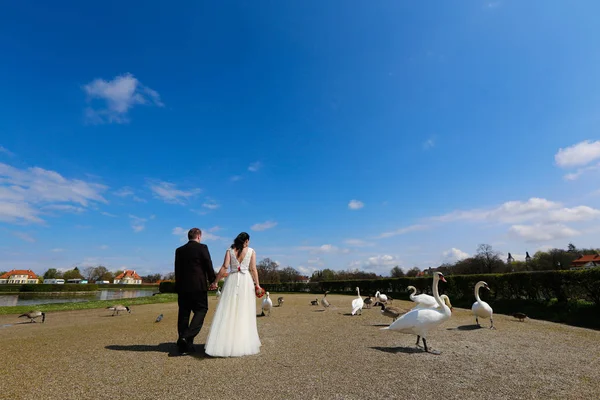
397, 272
488, 258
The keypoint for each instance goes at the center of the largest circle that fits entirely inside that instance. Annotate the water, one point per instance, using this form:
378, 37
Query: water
29, 299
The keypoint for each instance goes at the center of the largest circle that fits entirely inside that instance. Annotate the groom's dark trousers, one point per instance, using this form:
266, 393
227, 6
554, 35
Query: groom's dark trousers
193, 269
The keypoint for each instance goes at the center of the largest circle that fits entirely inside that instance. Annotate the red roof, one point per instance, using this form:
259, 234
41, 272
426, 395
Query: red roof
27, 272
128, 273
586, 259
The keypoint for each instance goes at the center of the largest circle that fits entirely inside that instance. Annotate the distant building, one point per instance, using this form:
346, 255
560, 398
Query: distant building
128, 277
18, 276
303, 279
585, 262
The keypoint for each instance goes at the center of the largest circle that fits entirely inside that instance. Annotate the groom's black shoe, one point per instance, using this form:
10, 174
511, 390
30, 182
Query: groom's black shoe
182, 345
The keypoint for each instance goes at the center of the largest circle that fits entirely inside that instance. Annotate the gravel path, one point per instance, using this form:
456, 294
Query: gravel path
307, 354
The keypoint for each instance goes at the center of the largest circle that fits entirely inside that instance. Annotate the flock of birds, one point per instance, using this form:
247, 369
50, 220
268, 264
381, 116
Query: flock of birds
428, 313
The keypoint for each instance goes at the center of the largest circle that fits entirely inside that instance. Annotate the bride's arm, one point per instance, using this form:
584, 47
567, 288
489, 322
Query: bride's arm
253, 271
223, 269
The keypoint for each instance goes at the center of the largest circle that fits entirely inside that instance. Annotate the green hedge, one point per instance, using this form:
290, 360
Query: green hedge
10, 288
166, 287
67, 287
571, 297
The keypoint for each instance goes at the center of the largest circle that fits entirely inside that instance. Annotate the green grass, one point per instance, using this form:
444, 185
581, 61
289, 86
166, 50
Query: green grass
86, 305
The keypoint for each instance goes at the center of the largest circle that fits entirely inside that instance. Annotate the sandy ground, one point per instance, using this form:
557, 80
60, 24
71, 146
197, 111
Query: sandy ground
307, 354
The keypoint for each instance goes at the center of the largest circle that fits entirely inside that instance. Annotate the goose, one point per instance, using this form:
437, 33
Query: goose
480, 308
279, 301
358, 303
314, 302
520, 316
118, 308
159, 318
324, 301
382, 298
419, 322
368, 301
32, 315
392, 312
267, 304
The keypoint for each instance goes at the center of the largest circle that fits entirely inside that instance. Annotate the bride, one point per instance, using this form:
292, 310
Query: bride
233, 332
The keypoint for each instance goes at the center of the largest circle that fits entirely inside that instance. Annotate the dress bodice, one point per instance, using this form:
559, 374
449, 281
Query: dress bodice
235, 265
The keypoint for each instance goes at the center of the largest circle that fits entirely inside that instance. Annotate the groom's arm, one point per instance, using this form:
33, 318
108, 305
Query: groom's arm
210, 272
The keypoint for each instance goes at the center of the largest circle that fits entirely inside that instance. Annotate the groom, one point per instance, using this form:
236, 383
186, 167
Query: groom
193, 269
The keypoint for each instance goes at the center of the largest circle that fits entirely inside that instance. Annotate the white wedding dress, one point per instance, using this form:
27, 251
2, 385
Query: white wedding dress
233, 332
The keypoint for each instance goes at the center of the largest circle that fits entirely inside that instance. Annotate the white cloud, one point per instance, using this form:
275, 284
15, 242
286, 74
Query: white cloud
255, 166
402, 231
119, 96
211, 204
107, 214
454, 255
264, 226
429, 143
579, 154
57, 250
25, 237
63, 207
235, 178
169, 193
380, 264
542, 232
323, 249
580, 171
4, 150
355, 205
138, 224
535, 209
206, 233
26, 194
103, 247
358, 243
307, 271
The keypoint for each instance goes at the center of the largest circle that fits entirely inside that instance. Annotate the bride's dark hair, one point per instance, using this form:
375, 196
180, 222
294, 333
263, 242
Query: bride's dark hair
238, 242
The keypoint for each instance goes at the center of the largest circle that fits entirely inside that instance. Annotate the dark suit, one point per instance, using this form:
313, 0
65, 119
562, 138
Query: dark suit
193, 269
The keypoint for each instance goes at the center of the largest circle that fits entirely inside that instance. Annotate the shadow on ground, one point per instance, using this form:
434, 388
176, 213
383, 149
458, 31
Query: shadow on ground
464, 328
169, 348
395, 350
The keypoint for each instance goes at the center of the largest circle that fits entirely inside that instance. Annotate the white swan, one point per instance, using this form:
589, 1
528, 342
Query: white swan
218, 294
382, 298
420, 321
444, 298
480, 308
267, 304
358, 303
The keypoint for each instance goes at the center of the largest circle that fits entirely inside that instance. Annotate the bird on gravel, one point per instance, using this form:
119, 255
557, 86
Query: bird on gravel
392, 312
368, 301
159, 318
314, 302
279, 301
520, 316
32, 315
267, 304
118, 308
324, 301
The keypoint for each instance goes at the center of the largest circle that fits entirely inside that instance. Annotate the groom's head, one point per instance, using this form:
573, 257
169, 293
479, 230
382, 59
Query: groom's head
195, 234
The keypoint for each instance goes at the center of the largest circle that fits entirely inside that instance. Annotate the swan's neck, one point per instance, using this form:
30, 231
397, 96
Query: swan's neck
436, 293
477, 287
413, 290
358, 291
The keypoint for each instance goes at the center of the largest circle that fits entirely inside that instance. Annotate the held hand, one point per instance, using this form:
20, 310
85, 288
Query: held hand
213, 286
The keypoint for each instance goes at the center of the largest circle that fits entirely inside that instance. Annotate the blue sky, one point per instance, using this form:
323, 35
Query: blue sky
338, 134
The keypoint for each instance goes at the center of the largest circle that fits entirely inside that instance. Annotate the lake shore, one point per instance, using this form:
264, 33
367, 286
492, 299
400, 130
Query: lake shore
87, 305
